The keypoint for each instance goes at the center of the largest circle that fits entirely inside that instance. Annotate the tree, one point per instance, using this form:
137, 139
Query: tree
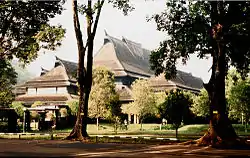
18, 107
175, 108
144, 99
233, 77
92, 13
239, 101
25, 29
216, 28
73, 107
34, 114
102, 94
7, 80
200, 107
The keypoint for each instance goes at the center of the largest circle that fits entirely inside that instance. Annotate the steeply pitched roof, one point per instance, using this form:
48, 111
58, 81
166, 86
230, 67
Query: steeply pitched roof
63, 74
125, 93
128, 58
125, 55
70, 67
183, 80
55, 77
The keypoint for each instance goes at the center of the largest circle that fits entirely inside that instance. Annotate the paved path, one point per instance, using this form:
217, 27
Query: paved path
48, 148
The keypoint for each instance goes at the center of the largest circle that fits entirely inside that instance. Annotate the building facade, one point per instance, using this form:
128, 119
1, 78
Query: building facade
128, 61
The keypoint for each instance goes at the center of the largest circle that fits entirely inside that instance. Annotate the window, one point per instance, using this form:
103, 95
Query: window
31, 91
46, 90
61, 90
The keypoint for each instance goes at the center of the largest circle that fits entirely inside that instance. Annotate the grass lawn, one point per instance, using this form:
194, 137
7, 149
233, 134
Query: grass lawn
154, 129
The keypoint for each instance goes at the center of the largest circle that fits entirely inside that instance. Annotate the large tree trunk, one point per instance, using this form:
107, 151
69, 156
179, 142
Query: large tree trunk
88, 78
220, 130
76, 133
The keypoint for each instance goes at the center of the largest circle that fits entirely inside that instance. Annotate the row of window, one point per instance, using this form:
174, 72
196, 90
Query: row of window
52, 90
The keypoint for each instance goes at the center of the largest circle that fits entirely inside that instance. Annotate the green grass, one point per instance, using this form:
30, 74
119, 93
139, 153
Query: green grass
153, 129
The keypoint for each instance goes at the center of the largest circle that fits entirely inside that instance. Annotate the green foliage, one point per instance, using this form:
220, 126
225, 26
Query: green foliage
200, 106
36, 103
25, 29
233, 77
190, 27
63, 112
160, 98
7, 80
18, 106
175, 108
123, 5
34, 114
239, 101
144, 99
73, 106
104, 101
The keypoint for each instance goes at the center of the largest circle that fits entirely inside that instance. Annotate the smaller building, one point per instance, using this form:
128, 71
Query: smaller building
54, 87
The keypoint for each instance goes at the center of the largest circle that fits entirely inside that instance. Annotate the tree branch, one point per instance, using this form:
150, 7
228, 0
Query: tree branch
100, 5
89, 18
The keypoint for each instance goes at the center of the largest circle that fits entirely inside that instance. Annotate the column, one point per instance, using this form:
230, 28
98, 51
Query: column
137, 118
129, 118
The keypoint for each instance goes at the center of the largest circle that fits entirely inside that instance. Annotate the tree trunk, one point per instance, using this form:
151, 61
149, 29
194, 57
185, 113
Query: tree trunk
97, 123
176, 133
220, 130
88, 78
76, 132
141, 123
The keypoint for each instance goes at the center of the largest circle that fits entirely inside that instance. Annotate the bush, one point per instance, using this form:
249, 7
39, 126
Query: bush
18, 107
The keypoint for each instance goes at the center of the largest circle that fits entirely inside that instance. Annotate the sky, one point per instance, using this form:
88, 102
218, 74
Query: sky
134, 27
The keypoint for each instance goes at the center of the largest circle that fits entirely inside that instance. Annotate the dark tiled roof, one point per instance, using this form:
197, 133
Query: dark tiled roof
132, 57
124, 93
135, 62
183, 80
70, 67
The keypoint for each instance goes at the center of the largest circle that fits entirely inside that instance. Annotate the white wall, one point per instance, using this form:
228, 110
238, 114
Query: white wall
51, 90
31, 91
61, 90
46, 90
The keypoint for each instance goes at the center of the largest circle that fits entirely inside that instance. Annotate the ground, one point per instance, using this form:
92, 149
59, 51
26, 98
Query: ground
58, 148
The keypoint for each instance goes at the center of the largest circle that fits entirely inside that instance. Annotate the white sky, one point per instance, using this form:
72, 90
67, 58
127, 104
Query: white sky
134, 27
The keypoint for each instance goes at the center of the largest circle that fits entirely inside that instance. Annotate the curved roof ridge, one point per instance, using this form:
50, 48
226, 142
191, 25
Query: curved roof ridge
133, 42
111, 39
69, 66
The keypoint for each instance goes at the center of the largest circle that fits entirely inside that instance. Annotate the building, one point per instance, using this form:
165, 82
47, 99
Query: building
54, 87
128, 61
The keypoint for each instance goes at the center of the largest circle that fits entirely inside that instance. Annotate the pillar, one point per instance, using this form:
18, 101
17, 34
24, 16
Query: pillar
27, 120
56, 119
12, 121
135, 121
129, 118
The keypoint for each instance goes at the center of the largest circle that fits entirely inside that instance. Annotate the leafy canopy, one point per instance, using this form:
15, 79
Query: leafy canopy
176, 107
144, 99
200, 105
73, 106
7, 80
25, 29
104, 101
189, 26
18, 107
239, 101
